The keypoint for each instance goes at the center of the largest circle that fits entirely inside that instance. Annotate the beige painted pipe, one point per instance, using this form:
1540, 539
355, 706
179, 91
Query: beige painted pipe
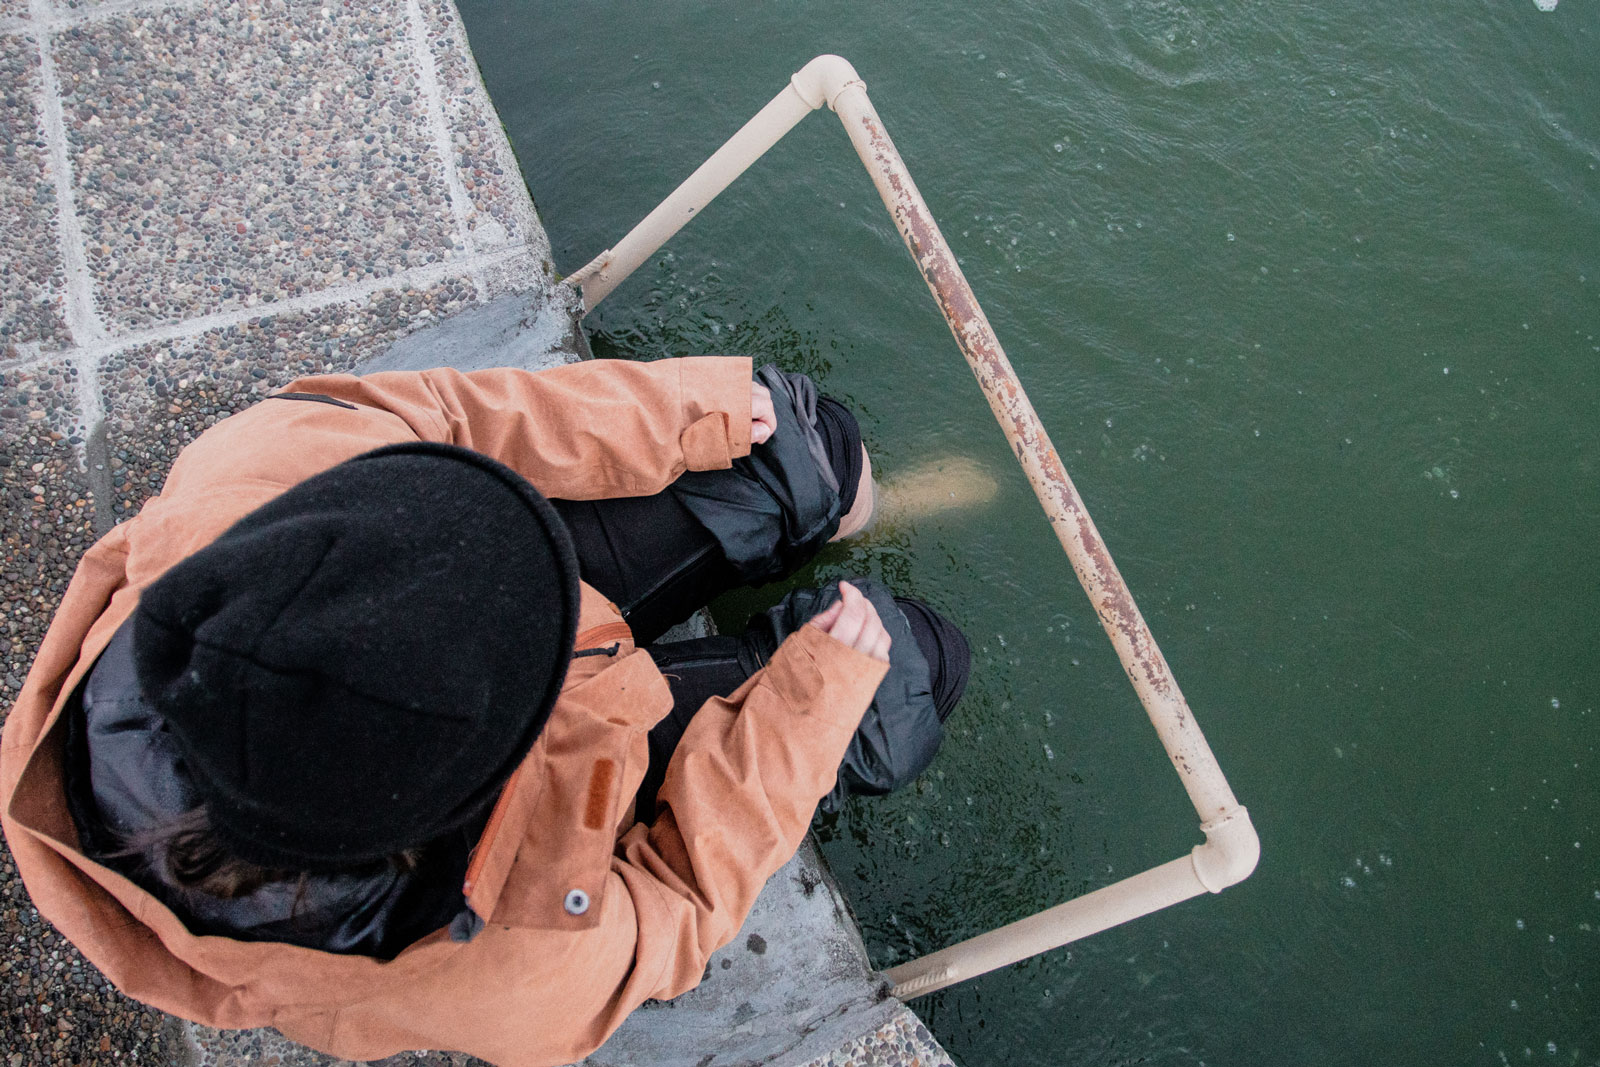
1231, 848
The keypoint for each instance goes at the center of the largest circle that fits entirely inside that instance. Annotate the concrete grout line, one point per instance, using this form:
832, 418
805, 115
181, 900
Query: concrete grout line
83, 322
415, 278
91, 408
422, 55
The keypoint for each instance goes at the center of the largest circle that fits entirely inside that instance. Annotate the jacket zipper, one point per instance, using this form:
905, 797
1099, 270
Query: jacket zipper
587, 641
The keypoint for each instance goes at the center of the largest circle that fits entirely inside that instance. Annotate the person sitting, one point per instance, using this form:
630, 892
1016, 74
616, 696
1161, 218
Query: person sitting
364, 728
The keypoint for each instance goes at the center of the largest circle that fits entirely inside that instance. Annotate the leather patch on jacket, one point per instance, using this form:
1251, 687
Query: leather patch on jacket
601, 779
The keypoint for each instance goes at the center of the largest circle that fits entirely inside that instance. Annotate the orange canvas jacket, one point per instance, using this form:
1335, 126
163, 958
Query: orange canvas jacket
538, 985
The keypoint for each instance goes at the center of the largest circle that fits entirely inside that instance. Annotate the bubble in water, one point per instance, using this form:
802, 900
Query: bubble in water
1545, 5
1554, 703
1049, 753
1550, 1047
1059, 147
1455, 494
1521, 925
1348, 882
1515, 1006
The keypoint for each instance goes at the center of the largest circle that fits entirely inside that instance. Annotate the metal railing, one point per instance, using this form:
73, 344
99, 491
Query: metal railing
1231, 848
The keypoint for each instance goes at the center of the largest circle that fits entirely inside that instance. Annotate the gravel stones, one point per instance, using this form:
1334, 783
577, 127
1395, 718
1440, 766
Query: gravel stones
255, 1048
56, 1009
243, 153
901, 1042
163, 396
31, 277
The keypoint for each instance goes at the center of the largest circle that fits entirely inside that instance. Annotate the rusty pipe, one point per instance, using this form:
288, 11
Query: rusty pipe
1231, 848
803, 94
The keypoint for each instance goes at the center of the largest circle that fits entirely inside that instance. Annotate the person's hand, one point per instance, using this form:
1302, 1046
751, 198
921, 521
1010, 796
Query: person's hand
763, 419
854, 621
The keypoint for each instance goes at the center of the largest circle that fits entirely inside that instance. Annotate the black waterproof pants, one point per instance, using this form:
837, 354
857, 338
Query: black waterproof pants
661, 558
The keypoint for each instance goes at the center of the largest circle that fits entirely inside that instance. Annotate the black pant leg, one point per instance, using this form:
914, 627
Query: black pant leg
649, 556
695, 671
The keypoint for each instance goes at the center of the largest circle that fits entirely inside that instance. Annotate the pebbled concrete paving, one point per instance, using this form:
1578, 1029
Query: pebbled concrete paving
31, 281
199, 202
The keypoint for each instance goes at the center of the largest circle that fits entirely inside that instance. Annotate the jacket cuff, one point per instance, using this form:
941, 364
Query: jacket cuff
716, 405
824, 678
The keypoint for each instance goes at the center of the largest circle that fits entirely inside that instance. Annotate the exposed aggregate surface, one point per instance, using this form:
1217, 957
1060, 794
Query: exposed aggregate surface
224, 157
31, 293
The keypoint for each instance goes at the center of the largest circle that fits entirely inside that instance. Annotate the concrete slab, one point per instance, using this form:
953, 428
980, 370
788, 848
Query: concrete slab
54, 1007
161, 396
792, 986
901, 1042
509, 331
245, 152
32, 301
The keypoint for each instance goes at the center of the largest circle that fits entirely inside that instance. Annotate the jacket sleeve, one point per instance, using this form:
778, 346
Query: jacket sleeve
589, 430
584, 431
738, 797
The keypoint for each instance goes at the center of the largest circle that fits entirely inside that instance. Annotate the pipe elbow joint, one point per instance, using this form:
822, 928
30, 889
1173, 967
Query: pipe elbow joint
1230, 852
821, 81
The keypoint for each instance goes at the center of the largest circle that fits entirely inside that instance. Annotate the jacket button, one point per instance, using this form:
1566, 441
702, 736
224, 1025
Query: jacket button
577, 902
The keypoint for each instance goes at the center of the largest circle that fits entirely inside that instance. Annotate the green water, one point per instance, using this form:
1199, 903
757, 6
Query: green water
1309, 297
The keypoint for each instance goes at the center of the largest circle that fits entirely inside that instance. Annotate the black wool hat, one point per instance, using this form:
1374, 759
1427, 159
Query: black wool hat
356, 667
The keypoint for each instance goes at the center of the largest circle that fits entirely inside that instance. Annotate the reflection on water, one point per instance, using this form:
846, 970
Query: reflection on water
932, 487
